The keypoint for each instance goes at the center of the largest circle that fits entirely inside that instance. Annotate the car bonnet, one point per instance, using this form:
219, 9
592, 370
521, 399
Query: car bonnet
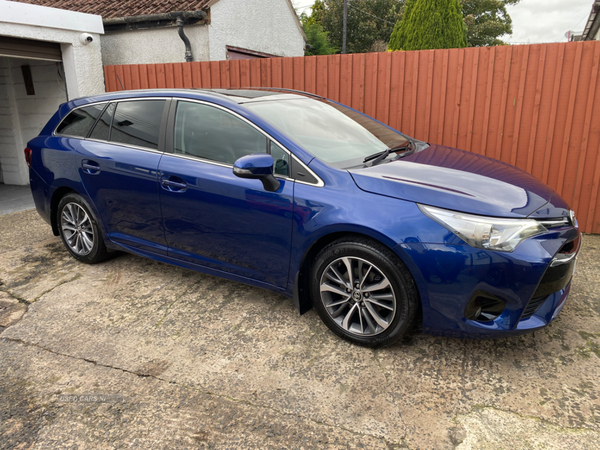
458, 180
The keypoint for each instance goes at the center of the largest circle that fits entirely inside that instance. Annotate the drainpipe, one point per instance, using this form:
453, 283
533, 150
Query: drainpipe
188, 48
180, 16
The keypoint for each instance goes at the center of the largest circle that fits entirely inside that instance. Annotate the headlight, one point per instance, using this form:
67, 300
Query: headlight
489, 233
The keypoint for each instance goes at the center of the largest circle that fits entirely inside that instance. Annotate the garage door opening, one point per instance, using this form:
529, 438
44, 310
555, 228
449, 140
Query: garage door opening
32, 86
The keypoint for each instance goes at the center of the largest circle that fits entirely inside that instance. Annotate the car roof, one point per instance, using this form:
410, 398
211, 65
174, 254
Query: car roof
239, 96
233, 99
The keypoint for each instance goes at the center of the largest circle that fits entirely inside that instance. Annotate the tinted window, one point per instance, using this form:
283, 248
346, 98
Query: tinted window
281, 160
102, 129
138, 123
79, 122
214, 134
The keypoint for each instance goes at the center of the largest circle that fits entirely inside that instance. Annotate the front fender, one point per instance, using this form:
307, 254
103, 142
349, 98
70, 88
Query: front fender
322, 215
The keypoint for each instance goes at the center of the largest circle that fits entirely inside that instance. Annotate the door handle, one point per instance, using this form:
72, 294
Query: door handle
91, 167
173, 186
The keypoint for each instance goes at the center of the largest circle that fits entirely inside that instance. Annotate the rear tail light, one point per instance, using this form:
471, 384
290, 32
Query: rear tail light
28, 156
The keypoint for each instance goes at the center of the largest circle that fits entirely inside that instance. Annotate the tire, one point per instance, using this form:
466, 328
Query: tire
382, 304
79, 230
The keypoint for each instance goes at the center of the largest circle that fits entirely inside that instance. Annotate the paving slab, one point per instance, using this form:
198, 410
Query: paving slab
205, 362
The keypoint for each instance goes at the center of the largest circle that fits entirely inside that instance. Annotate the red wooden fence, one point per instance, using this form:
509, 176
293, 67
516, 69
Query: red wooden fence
531, 106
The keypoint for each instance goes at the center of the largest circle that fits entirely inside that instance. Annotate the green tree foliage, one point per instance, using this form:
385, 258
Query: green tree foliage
317, 11
429, 24
368, 21
318, 40
487, 21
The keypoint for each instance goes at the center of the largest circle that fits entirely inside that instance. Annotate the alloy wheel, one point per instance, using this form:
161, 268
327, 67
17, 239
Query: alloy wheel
358, 296
77, 229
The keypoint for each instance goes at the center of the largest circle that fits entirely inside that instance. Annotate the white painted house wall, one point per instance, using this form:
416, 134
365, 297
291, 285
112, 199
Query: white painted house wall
268, 26
154, 46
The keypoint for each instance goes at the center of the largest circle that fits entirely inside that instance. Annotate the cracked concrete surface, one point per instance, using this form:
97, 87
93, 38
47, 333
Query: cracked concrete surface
207, 363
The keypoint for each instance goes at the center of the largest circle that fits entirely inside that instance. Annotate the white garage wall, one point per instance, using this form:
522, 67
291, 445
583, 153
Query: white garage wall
83, 63
12, 162
23, 116
7, 134
35, 110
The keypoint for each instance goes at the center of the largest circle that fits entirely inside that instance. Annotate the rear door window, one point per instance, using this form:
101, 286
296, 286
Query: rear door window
137, 123
79, 122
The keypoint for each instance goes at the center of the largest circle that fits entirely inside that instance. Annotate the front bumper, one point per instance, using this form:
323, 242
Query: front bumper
532, 284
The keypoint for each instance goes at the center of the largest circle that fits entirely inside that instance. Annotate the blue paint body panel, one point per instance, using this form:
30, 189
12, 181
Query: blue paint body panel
227, 223
124, 191
210, 220
455, 179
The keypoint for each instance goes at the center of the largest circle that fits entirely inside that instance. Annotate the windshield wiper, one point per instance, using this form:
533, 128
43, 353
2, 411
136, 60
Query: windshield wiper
380, 156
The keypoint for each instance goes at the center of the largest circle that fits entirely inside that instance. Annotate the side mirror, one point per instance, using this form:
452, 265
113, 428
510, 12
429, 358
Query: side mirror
258, 166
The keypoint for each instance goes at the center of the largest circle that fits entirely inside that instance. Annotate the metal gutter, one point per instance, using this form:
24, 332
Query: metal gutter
156, 20
593, 24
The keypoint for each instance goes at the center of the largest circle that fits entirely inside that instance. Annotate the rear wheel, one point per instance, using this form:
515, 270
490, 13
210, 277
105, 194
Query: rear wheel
79, 230
363, 292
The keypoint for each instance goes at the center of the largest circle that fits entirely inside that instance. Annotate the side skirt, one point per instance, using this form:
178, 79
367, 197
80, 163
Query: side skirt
198, 268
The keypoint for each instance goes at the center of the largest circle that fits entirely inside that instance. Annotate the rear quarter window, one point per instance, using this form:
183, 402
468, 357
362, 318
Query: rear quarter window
79, 122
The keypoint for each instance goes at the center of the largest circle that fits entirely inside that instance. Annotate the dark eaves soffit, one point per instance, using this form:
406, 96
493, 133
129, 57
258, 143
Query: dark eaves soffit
156, 20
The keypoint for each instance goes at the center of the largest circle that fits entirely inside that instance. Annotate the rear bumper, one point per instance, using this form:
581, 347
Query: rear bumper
532, 284
40, 191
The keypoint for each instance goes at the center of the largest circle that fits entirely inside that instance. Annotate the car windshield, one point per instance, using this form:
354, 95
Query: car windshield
333, 133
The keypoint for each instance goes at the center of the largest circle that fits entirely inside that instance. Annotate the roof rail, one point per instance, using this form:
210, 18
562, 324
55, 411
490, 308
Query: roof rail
276, 89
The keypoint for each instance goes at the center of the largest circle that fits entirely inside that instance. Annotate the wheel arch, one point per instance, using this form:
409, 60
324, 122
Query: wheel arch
302, 298
56, 196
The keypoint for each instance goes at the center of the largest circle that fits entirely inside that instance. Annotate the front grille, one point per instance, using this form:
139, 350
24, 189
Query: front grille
533, 305
555, 223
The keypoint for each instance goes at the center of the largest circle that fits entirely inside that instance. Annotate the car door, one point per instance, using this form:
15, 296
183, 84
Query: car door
118, 165
213, 218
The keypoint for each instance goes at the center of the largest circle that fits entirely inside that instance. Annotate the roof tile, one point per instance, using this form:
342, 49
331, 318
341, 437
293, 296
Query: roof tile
110, 9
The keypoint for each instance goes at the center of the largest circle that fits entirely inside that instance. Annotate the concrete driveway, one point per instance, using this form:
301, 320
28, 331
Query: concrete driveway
136, 354
15, 198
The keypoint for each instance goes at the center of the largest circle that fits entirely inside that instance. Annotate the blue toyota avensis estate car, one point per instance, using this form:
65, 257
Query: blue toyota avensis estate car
299, 194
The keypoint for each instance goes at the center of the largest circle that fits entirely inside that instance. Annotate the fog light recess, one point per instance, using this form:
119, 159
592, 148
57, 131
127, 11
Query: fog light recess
484, 307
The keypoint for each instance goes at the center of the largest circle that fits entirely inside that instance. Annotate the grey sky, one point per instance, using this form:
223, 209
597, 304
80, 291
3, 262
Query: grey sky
534, 21
537, 21
303, 5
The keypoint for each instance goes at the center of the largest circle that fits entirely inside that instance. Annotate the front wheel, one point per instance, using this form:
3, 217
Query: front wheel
363, 292
79, 230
